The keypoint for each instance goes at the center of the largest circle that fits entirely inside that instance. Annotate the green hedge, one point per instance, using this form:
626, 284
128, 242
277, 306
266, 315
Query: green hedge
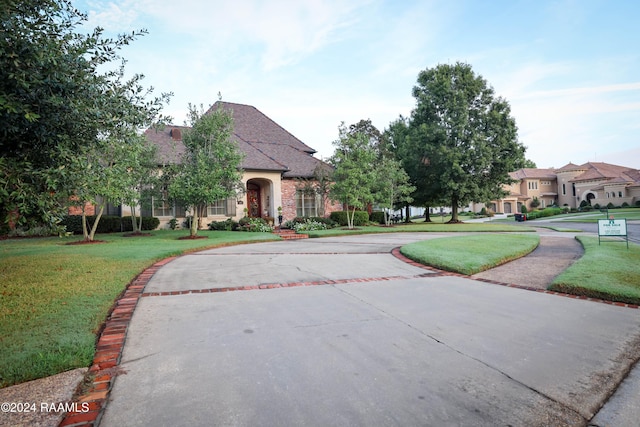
360, 218
108, 223
377, 217
544, 213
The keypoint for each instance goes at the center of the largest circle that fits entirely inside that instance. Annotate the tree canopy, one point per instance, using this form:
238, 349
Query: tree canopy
58, 101
354, 174
462, 137
210, 169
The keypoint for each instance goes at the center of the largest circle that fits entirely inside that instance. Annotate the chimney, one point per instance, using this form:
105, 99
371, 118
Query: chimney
175, 134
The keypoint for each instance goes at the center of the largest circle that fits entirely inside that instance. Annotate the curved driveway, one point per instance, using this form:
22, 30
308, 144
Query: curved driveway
358, 337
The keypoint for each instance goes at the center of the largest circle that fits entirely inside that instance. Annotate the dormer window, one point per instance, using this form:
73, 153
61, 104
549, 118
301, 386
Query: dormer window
175, 134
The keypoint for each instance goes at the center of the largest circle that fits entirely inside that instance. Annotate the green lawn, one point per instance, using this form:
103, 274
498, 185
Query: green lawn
607, 271
423, 227
54, 297
594, 216
471, 254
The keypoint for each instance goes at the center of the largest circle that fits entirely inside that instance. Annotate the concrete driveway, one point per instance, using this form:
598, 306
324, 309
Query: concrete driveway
362, 338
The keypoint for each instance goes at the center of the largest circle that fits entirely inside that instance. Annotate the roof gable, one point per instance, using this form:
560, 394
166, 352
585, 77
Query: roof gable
269, 149
251, 125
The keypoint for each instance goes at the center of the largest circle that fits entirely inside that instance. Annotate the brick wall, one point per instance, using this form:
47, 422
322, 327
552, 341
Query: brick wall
88, 208
289, 201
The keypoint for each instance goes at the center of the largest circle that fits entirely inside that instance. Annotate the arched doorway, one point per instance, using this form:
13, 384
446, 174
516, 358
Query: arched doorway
507, 207
254, 200
259, 197
590, 197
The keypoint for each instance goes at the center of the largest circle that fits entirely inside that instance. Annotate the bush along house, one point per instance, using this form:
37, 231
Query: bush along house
279, 171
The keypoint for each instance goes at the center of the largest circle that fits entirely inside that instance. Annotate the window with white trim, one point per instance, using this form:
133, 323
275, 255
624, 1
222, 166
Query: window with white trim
307, 204
226, 207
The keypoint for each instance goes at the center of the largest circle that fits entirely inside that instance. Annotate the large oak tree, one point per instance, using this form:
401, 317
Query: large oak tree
463, 136
61, 99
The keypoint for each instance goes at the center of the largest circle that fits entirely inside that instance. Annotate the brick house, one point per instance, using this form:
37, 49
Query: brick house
275, 165
593, 182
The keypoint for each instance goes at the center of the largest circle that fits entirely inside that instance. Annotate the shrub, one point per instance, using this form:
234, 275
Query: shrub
377, 217
108, 223
596, 206
360, 218
544, 213
226, 225
535, 202
309, 225
256, 225
625, 205
37, 231
328, 222
523, 209
610, 205
584, 203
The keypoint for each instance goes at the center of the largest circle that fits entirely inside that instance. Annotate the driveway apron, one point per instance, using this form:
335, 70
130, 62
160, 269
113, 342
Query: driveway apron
339, 332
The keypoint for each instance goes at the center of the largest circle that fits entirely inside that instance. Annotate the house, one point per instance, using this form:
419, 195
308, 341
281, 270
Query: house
276, 164
571, 185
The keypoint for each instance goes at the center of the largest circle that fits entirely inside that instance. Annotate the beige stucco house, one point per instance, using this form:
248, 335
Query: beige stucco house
593, 182
275, 163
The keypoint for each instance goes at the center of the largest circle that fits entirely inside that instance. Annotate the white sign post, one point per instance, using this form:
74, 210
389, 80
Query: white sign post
612, 228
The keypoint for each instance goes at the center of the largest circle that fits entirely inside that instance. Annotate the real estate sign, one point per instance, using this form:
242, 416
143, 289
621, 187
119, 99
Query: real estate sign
612, 228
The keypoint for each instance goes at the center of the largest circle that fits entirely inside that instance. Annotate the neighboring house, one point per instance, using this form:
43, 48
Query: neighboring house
275, 165
593, 182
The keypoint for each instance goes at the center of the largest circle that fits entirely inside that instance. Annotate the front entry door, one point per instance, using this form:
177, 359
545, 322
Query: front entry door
253, 197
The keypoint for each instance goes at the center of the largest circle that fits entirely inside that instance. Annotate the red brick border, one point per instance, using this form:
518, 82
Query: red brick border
108, 352
396, 253
112, 338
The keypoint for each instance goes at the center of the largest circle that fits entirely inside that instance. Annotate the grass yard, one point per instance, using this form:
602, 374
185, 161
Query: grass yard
54, 297
594, 216
432, 227
607, 271
471, 254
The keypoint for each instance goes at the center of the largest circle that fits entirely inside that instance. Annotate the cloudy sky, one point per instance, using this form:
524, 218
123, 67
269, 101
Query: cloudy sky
569, 69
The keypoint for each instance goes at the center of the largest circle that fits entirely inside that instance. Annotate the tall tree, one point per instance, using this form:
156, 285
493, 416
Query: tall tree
392, 185
210, 168
464, 135
54, 103
354, 162
405, 141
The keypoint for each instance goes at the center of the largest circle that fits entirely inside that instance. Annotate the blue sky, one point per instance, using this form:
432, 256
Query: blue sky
569, 69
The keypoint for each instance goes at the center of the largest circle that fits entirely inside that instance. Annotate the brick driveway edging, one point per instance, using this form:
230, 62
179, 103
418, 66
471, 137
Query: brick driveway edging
104, 369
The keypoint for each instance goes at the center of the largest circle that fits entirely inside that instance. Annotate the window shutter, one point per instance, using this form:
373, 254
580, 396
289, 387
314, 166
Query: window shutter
231, 206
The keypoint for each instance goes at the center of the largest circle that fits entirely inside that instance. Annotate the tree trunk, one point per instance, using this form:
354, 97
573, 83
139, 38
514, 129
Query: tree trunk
427, 214
407, 213
85, 232
351, 218
454, 211
95, 224
193, 230
134, 223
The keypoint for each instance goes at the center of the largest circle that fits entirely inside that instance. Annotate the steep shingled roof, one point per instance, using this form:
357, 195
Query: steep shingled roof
270, 148
251, 125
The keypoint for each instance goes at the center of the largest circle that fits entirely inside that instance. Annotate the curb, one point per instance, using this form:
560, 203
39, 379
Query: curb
104, 369
396, 253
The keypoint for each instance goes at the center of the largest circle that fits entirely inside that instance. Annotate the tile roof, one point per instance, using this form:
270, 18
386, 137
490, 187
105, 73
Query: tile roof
265, 144
598, 170
533, 173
